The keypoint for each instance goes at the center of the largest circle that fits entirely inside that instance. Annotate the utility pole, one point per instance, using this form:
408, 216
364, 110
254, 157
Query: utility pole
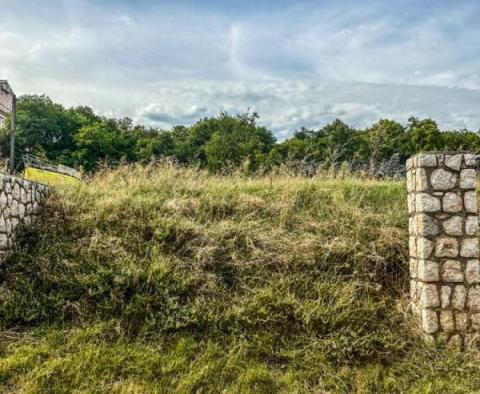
12, 134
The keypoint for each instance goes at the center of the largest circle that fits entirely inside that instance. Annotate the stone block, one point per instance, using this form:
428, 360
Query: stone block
461, 321
446, 321
16, 192
421, 180
441, 179
468, 178
445, 293
413, 290
412, 246
453, 226
452, 271
14, 208
410, 181
429, 321
409, 164
469, 247
424, 248
412, 225
23, 196
426, 160
452, 202
472, 271
445, 247
426, 203
428, 271
419, 288
470, 159
429, 297
3, 241
413, 267
470, 201
475, 320
454, 161
426, 225
471, 225
473, 298
459, 296
410, 202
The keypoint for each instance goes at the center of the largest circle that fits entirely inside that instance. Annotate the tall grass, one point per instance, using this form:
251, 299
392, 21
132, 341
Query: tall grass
161, 279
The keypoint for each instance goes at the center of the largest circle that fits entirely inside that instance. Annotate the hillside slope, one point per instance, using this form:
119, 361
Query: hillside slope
159, 279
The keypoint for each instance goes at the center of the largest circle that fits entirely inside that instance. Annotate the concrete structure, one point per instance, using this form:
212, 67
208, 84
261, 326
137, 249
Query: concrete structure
6, 100
443, 244
20, 202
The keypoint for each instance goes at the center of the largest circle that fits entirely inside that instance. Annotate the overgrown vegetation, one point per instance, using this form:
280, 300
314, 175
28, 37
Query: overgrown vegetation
161, 279
80, 138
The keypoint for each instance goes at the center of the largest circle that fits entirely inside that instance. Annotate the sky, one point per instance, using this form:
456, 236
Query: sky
296, 63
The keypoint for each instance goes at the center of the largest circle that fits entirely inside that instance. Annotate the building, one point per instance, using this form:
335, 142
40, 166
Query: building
6, 100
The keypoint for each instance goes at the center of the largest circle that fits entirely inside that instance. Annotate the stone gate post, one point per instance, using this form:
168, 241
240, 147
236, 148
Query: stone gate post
443, 244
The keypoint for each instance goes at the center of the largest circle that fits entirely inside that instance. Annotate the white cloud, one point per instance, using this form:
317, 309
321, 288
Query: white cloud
298, 65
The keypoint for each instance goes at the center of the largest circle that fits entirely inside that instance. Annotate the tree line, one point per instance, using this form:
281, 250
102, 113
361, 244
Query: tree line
80, 138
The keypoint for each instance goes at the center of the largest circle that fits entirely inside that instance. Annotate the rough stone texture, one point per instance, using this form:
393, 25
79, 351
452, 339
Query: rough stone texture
424, 224
470, 201
445, 296
469, 247
453, 226
427, 271
426, 203
444, 249
424, 248
452, 202
471, 225
472, 272
442, 179
454, 161
468, 178
452, 271
19, 205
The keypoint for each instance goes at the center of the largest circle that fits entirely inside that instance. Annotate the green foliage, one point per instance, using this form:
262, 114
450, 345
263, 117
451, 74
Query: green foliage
237, 139
424, 135
80, 138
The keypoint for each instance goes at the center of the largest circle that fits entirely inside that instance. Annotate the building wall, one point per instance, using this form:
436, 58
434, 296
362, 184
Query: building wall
20, 203
5, 102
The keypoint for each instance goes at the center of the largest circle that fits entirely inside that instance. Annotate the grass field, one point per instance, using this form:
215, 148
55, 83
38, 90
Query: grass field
160, 279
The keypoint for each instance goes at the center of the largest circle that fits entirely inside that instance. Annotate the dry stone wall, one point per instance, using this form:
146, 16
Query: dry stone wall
443, 244
19, 205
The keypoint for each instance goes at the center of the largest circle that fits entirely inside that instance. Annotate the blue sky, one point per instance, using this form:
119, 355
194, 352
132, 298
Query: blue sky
298, 63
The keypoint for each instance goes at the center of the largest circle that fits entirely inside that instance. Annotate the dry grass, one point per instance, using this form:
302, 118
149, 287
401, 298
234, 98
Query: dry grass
161, 279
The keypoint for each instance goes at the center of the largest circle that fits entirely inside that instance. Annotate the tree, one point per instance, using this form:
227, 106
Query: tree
337, 142
154, 144
424, 135
385, 138
100, 142
238, 140
44, 128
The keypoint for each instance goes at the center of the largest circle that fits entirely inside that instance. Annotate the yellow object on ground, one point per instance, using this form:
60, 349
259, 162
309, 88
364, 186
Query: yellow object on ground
49, 178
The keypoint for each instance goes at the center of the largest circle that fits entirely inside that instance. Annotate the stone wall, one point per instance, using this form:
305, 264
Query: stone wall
19, 205
443, 244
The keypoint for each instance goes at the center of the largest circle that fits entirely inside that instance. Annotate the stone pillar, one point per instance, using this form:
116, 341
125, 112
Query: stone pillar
443, 244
